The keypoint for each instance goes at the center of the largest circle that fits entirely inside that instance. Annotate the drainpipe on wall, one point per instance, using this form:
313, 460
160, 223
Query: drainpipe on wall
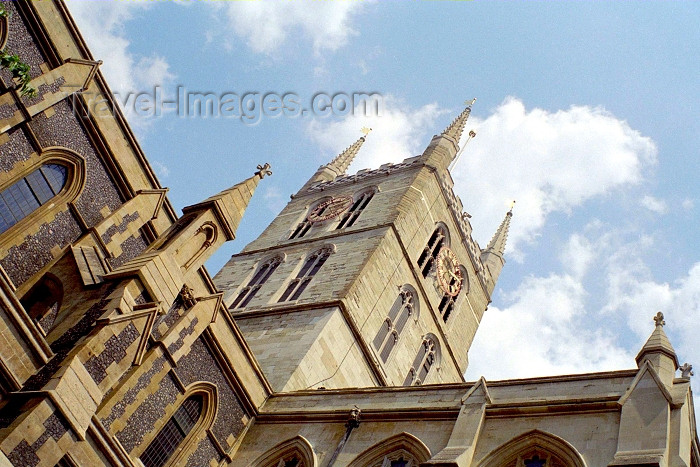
352, 423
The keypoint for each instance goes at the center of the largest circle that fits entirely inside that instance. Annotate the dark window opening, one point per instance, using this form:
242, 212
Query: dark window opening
26, 195
43, 302
260, 277
355, 210
173, 432
312, 265
427, 258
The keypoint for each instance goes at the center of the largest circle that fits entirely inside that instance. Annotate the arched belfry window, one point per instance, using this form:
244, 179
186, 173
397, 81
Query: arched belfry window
296, 452
424, 362
534, 448
37, 188
447, 302
173, 432
307, 272
43, 302
360, 203
301, 229
259, 278
404, 308
401, 450
427, 258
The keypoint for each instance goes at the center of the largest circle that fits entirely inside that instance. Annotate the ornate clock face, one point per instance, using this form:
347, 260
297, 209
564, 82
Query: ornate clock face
448, 272
330, 209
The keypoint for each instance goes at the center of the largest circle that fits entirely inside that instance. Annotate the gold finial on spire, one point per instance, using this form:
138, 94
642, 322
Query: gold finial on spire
365, 131
512, 205
470, 103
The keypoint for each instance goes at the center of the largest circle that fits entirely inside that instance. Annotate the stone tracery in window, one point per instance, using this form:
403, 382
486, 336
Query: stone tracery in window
256, 282
427, 258
388, 336
311, 266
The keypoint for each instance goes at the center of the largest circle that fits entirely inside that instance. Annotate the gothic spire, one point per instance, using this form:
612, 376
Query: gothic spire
492, 255
456, 128
443, 148
658, 341
343, 160
339, 165
230, 204
498, 241
659, 352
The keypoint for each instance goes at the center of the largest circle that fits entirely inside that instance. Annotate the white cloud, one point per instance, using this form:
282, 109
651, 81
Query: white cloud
636, 296
399, 132
577, 255
266, 25
688, 204
274, 199
102, 24
655, 205
547, 161
543, 331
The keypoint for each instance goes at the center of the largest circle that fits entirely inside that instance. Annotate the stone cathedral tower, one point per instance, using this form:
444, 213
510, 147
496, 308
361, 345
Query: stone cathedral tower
338, 338
370, 279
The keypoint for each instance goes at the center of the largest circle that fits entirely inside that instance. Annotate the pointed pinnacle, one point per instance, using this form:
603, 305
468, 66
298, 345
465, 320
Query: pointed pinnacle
498, 242
342, 162
455, 129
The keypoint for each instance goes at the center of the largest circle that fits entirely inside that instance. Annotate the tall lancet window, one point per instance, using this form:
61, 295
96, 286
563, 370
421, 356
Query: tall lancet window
350, 217
261, 276
393, 326
301, 229
311, 266
425, 360
173, 432
26, 195
427, 257
447, 302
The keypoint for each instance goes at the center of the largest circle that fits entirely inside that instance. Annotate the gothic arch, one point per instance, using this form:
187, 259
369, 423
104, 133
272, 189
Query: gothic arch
429, 356
4, 28
534, 443
445, 231
403, 311
260, 274
303, 225
210, 402
73, 185
404, 444
360, 200
439, 238
297, 446
208, 234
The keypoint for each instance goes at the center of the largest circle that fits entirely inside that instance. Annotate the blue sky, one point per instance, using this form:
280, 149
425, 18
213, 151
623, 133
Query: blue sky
586, 115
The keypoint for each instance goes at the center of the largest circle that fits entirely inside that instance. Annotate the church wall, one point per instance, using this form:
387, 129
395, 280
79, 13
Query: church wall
58, 126
325, 436
421, 209
305, 348
370, 300
593, 435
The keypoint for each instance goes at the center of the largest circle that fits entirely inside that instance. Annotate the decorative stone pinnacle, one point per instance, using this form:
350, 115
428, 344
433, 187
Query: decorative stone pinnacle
263, 170
686, 370
659, 319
